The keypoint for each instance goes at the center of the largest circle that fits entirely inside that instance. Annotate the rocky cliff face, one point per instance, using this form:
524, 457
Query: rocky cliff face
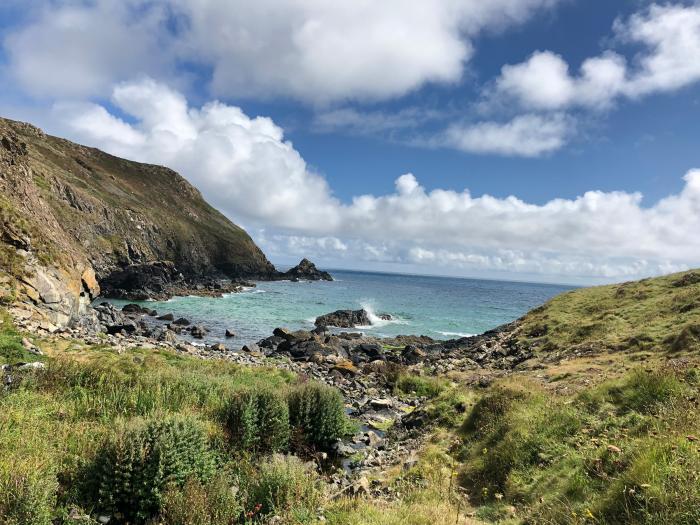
72, 216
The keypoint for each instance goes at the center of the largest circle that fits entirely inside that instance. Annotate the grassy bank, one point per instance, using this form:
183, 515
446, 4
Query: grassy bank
151, 435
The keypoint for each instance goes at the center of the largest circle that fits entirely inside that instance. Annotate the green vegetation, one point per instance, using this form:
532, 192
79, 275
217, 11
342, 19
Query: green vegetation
140, 461
139, 435
651, 314
623, 452
317, 414
259, 420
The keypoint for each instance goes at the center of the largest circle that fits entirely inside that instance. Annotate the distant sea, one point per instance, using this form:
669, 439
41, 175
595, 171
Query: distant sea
439, 307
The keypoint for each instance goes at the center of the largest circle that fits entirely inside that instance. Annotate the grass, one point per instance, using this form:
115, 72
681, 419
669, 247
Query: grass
652, 314
619, 453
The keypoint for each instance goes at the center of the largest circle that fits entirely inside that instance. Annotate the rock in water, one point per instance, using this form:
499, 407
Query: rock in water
306, 271
230, 333
344, 319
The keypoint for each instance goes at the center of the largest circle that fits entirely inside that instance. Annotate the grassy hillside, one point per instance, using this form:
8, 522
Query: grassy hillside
113, 212
660, 314
608, 434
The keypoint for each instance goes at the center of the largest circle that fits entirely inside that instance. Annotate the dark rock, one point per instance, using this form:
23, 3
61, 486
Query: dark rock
181, 322
230, 333
142, 281
307, 271
198, 331
252, 347
344, 319
133, 309
412, 355
271, 342
370, 351
166, 317
218, 347
129, 327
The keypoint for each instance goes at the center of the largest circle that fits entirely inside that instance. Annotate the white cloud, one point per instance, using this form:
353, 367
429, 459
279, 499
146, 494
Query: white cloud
354, 122
313, 50
527, 135
245, 167
670, 60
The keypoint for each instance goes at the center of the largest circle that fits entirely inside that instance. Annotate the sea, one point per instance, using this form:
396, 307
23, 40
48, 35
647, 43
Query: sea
439, 307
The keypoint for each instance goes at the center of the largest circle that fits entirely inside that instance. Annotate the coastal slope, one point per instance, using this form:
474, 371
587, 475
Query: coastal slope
74, 216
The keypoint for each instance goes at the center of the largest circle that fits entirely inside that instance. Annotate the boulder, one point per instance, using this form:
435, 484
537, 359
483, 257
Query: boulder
307, 271
218, 347
198, 331
381, 404
344, 319
346, 367
230, 333
181, 322
166, 317
252, 347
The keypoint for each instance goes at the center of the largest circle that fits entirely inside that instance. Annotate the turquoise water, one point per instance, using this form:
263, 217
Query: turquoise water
439, 307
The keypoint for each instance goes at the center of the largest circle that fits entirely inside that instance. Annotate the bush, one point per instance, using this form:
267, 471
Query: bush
144, 459
420, 386
283, 485
317, 414
259, 421
27, 497
211, 503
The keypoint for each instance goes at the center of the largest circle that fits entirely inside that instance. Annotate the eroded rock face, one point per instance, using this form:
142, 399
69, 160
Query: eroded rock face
74, 217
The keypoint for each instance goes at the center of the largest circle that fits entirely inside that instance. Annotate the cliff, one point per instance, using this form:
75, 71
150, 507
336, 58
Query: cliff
72, 217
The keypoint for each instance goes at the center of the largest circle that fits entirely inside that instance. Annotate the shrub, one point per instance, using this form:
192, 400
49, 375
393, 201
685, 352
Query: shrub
317, 413
283, 485
27, 497
259, 420
196, 503
421, 386
142, 460
491, 409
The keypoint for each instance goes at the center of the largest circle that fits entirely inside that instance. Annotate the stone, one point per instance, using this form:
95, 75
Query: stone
132, 308
344, 319
373, 440
218, 347
230, 333
166, 317
37, 365
252, 347
615, 450
381, 404
181, 322
346, 367
198, 331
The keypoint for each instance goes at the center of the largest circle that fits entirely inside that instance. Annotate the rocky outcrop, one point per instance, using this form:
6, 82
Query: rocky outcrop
73, 218
306, 271
348, 319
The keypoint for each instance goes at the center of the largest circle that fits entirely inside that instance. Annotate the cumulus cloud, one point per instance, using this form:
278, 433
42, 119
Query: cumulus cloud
313, 50
670, 60
246, 168
528, 135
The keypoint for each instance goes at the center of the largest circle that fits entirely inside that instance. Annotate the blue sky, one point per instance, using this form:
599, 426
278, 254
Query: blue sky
585, 112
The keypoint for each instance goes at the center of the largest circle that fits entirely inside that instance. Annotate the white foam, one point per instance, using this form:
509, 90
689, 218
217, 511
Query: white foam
456, 334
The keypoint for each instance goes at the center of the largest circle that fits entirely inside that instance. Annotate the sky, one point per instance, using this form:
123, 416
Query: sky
545, 140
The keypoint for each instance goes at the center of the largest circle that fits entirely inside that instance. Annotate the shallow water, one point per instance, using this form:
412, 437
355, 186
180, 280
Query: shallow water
439, 307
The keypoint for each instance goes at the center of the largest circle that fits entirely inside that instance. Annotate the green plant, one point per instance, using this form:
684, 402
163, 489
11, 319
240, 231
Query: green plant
317, 413
143, 459
258, 420
645, 391
421, 386
212, 503
283, 485
27, 496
